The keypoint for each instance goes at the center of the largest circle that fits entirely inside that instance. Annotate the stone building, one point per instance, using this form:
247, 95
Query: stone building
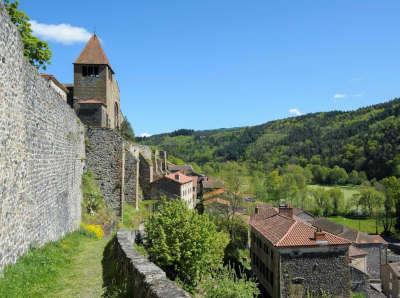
291, 258
175, 185
373, 245
391, 279
95, 93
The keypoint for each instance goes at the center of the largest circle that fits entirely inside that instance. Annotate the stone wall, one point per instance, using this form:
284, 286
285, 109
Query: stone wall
359, 281
126, 273
314, 272
131, 187
145, 176
375, 258
41, 154
104, 150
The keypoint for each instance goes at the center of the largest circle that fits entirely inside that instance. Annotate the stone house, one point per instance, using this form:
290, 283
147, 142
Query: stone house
374, 245
390, 274
198, 179
175, 185
95, 93
358, 258
291, 258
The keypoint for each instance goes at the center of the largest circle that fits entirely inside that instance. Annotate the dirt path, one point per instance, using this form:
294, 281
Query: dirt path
84, 279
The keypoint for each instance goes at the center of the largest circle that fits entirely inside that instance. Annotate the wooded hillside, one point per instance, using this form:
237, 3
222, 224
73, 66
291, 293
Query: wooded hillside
367, 139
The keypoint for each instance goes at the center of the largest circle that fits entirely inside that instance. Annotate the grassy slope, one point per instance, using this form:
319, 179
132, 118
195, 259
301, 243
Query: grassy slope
70, 267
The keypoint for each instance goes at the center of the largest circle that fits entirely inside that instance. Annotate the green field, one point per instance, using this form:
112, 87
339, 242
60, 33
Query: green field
363, 225
348, 190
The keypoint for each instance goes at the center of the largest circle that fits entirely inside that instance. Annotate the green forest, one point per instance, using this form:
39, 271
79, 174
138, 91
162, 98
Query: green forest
334, 164
365, 141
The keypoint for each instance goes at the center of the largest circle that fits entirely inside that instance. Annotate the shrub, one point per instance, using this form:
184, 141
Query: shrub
225, 283
184, 244
95, 231
95, 211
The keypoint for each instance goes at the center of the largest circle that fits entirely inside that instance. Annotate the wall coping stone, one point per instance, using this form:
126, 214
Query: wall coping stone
153, 277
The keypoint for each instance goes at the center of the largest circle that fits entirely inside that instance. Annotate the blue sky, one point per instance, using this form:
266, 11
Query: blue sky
218, 63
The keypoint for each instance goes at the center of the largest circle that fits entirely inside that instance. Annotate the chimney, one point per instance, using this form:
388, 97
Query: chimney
177, 177
319, 237
256, 210
286, 210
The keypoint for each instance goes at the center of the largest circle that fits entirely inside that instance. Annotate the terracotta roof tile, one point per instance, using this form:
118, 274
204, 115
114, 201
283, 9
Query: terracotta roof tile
179, 177
93, 53
283, 231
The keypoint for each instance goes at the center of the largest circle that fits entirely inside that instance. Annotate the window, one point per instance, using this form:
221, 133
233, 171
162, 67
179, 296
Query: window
90, 71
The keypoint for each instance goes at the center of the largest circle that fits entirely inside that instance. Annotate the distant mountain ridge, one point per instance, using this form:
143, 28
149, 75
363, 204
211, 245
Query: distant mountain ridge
367, 139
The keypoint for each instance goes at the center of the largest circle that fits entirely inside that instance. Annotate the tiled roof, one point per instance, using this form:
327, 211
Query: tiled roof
217, 201
93, 53
91, 101
179, 177
176, 168
347, 233
213, 193
283, 231
356, 252
212, 184
55, 81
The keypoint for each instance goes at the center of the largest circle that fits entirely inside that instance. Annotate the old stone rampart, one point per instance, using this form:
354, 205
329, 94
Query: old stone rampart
41, 154
126, 273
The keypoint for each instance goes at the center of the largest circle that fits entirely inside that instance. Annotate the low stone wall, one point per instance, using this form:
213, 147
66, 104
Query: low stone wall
126, 273
41, 154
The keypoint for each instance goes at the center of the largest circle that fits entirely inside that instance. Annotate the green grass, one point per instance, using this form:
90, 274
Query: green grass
70, 267
364, 225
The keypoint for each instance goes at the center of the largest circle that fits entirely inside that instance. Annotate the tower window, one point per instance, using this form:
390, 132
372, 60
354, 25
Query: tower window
90, 70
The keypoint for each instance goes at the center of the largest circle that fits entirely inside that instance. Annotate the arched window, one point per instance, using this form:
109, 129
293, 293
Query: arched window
116, 115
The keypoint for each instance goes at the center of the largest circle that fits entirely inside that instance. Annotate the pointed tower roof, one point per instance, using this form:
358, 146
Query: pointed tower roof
93, 53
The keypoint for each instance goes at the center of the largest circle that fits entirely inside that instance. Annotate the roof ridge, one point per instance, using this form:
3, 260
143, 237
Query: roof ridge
295, 222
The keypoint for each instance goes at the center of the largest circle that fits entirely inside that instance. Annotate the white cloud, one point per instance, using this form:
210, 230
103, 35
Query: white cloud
145, 134
62, 33
295, 112
340, 95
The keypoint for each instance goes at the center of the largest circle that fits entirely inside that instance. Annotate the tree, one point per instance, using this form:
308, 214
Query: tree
323, 204
225, 283
126, 130
184, 244
354, 178
274, 185
37, 51
301, 177
233, 181
337, 200
392, 190
320, 174
337, 175
371, 200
